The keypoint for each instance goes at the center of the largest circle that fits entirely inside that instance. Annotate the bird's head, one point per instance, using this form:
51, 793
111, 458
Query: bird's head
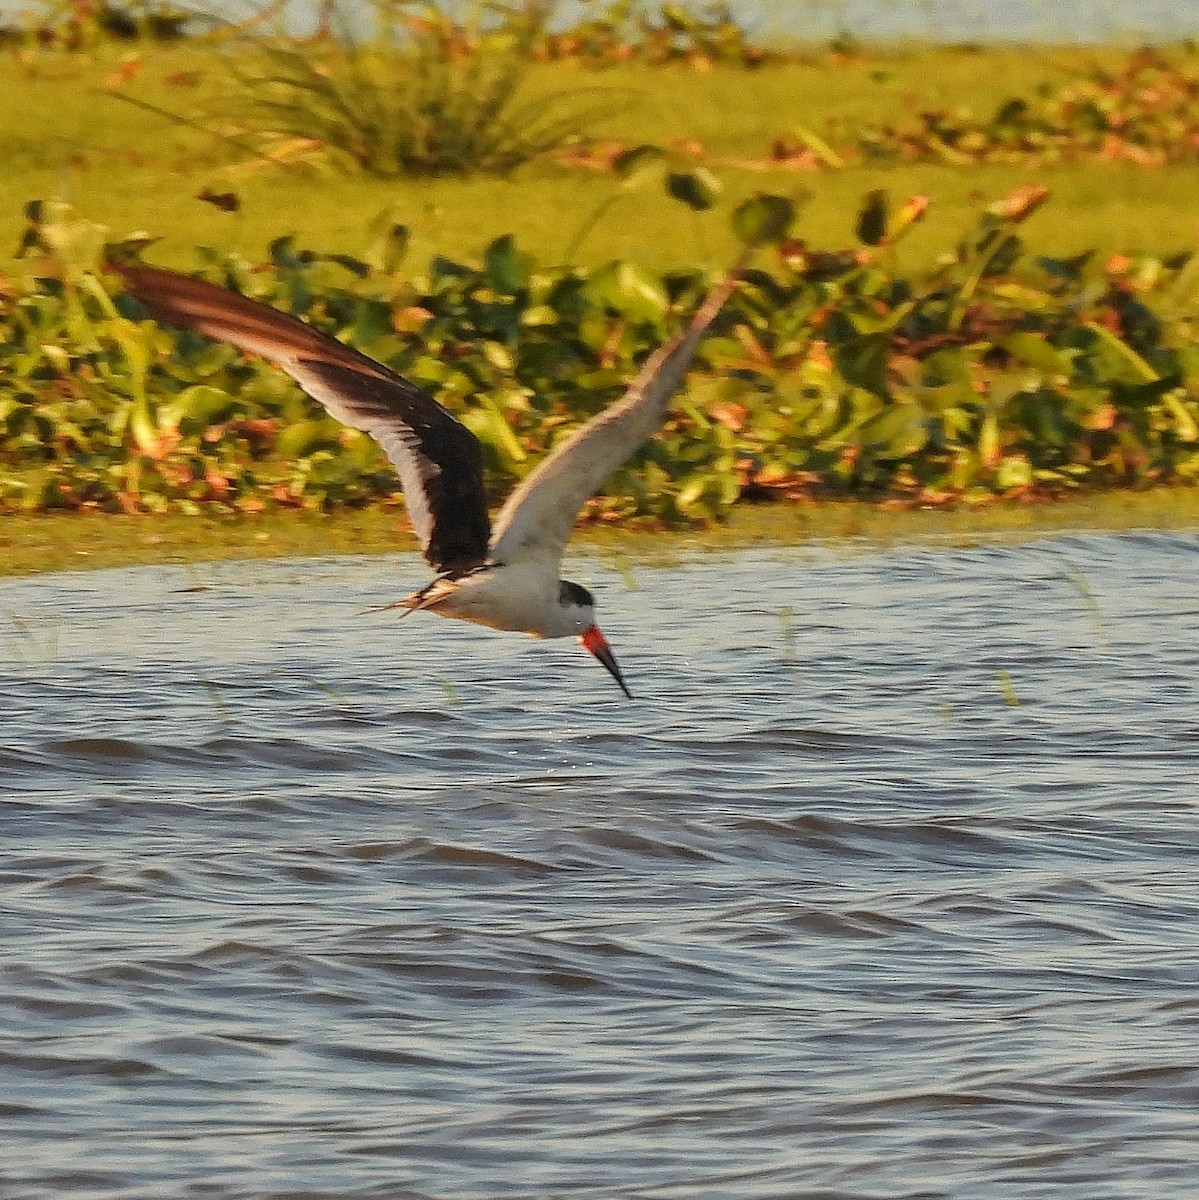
577, 606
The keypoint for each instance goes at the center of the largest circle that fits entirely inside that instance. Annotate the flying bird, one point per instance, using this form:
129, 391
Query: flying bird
504, 576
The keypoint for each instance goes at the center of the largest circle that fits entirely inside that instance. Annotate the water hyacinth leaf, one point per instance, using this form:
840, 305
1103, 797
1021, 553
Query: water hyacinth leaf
698, 189
283, 253
862, 360
306, 437
498, 355
1135, 368
1068, 270
1024, 299
144, 429
445, 272
1185, 427
1183, 294
387, 242
58, 357
678, 18
899, 431
819, 147
629, 289
1011, 111
373, 326
763, 220
487, 422
202, 405
1004, 255
539, 315
637, 165
1141, 395
505, 266
692, 492
356, 266
1034, 350
871, 227
1013, 473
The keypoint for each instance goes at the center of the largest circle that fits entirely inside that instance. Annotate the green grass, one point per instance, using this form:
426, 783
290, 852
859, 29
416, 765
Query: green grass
61, 133
66, 542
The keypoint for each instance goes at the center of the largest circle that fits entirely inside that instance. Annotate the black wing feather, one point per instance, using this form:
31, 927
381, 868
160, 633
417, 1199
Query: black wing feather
445, 455
439, 460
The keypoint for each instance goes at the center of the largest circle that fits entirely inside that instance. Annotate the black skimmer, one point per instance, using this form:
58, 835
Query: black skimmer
504, 576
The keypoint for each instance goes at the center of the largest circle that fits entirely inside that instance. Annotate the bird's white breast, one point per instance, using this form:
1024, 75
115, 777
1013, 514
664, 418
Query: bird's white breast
520, 599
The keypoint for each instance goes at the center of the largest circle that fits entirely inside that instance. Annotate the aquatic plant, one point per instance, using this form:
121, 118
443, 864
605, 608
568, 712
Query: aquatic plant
988, 373
1144, 111
616, 31
629, 30
81, 24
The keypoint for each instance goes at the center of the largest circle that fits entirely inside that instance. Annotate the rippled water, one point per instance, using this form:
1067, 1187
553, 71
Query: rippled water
887, 886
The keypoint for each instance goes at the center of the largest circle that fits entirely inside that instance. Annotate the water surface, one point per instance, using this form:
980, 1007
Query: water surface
886, 886
1063, 21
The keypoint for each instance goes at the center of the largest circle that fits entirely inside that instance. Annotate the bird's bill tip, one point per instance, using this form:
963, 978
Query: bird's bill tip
595, 643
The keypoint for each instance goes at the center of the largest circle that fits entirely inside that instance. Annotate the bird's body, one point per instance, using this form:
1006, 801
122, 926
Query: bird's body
521, 599
504, 577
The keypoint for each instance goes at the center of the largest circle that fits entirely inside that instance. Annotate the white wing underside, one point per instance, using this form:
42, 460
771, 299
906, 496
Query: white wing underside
536, 521
400, 445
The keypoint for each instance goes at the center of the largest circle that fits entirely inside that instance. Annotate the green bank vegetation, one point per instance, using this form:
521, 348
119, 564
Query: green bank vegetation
935, 329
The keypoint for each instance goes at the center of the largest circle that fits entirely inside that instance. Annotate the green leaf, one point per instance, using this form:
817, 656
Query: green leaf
763, 220
143, 427
899, 431
387, 242
863, 361
1034, 350
698, 189
1014, 471
1004, 256
630, 289
498, 355
1185, 427
284, 255
872, 218
638, 164
505, 266
355, 266
1130, 359
488, 423
1140, 395
819, 147
201, 406
305, 437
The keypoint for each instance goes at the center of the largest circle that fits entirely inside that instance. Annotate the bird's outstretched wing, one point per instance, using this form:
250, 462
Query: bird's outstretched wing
439, 461
537, 518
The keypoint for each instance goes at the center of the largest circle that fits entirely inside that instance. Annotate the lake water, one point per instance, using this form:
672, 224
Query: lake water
767, 20
886, 886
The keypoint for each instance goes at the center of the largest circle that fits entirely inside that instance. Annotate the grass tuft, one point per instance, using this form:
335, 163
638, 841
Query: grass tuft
419, 95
